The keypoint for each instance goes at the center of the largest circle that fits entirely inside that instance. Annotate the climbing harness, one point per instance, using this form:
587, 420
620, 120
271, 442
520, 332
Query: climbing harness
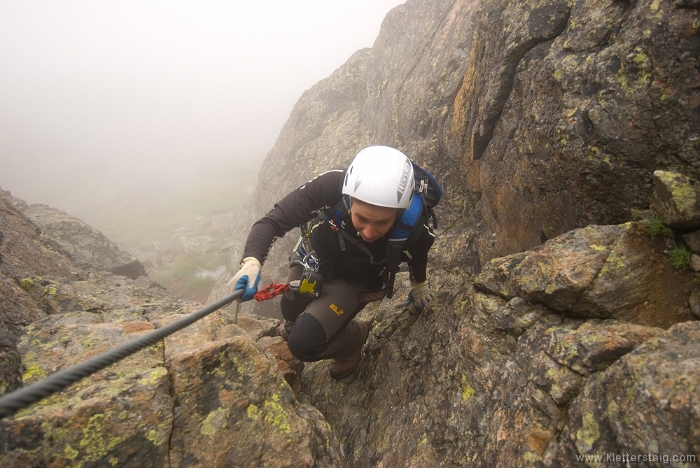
310, 284
406, 230
23, 397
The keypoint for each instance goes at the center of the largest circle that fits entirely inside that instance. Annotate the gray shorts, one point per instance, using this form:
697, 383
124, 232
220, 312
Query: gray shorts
322, 328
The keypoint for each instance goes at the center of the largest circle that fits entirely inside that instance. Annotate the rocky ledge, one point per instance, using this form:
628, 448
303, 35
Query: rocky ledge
173, 404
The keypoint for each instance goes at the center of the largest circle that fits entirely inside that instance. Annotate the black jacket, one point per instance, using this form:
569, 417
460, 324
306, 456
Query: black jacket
352, 264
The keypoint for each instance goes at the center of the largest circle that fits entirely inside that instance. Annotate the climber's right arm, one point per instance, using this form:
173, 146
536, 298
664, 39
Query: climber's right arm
295, 209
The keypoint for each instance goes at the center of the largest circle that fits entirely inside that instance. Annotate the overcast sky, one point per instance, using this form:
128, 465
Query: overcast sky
97, 97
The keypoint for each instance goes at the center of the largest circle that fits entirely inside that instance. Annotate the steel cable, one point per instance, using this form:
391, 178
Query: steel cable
23, 397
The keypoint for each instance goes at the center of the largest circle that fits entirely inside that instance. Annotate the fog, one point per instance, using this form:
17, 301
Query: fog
106, 100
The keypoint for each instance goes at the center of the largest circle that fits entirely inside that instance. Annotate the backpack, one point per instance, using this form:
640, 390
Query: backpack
426, 196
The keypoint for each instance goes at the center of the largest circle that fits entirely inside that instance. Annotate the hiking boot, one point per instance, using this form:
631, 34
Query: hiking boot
341, 367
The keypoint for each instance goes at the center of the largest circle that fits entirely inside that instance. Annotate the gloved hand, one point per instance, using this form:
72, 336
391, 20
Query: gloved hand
247, 278
420, 294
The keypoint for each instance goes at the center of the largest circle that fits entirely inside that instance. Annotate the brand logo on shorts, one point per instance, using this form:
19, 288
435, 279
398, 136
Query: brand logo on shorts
337, 311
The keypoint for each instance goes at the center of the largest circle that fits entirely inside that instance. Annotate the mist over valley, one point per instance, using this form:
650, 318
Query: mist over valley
142, 119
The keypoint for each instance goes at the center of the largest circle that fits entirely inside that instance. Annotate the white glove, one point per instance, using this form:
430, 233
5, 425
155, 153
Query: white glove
247, 278
421, 294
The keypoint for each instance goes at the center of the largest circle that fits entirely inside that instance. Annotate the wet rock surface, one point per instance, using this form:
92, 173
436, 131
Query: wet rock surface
560, 329
598, 271
85, 246
482, 380
171, 404
643, 404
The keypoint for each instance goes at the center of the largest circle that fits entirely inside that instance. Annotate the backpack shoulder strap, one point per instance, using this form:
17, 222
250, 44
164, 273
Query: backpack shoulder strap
403, 236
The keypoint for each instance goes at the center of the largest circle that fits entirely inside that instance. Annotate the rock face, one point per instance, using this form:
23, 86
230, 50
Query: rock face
561, 329
545, 123
603, 93
675, 200
85, 246
169, 405
537, 117
541, 363
596, 272
23, 254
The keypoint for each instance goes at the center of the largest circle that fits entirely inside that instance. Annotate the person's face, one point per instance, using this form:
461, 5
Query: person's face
371, 221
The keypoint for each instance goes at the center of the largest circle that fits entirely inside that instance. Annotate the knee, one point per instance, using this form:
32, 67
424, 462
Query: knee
307, 341
290, 309
302, 349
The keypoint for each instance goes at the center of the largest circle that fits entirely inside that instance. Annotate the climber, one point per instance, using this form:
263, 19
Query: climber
340, 263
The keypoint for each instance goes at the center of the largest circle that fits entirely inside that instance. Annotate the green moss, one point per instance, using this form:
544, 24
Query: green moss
557, 373
680, 257
219, 372
657, 228
640, 81
49, 290
55, 433
640, 58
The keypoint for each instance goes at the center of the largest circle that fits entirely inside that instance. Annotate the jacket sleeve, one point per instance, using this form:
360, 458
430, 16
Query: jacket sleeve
418, 255
297, 208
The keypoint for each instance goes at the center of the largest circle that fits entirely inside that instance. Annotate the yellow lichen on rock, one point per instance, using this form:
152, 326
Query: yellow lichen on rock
589, 433
96, 442
217, 419
467, 390
276, 415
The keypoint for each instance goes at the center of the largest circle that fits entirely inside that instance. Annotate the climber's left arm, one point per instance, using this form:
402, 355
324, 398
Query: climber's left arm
417, 267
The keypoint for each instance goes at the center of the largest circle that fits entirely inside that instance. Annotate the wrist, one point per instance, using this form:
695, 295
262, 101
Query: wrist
250, 261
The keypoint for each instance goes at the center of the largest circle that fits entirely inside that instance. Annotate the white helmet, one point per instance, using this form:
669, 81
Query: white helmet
382, 176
